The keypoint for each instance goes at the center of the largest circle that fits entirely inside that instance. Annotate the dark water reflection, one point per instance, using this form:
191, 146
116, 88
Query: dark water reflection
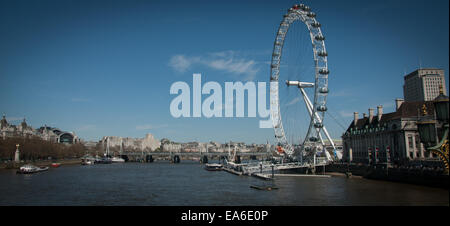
189, 184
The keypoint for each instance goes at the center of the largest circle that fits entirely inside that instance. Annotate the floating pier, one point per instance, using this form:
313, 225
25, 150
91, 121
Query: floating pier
263, 176
232, 171
267, 188
302, 175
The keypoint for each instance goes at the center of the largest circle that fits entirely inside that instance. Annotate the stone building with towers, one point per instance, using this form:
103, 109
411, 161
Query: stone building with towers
8, 130
52, 134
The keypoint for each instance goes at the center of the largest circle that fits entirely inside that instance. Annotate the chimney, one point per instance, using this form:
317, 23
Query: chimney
364, 115
355, 118
371, 110
398, 103
379, 112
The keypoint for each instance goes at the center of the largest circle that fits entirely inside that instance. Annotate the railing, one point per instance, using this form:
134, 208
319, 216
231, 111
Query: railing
266, 166
195, 153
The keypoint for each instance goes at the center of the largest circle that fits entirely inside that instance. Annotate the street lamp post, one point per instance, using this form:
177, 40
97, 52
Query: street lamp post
17, 154
427, 129
388, 158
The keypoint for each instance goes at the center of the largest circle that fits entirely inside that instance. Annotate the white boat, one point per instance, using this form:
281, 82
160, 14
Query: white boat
117, 159
213, 167
87, 160
104, 160
26, 169
107, 158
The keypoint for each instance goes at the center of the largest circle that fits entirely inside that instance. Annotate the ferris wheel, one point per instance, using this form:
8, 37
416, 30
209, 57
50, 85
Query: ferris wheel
299, 70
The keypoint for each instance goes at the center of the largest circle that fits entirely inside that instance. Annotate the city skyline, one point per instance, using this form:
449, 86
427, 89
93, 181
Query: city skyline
105, 70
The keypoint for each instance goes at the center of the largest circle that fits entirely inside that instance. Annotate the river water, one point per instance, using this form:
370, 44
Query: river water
187, 183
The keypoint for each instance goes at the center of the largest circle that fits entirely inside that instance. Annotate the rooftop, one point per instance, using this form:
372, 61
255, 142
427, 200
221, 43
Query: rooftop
406, 110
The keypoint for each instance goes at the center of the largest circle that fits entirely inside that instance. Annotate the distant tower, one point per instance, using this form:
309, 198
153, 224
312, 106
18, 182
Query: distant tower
24, 123
23, 126
3, 123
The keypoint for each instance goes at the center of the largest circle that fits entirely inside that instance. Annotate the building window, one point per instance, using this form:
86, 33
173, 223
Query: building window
417, 142
410, 141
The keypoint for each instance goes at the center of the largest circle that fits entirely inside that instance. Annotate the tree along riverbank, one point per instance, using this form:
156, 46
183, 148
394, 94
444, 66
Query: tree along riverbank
37, 150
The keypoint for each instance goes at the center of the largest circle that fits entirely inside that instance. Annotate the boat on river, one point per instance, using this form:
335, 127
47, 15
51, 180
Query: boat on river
88, 160
213, 167
117, 160
56, 165
105, 160
267, 188
28, 169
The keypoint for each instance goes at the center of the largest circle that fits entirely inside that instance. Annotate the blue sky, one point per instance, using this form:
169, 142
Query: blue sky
104, 68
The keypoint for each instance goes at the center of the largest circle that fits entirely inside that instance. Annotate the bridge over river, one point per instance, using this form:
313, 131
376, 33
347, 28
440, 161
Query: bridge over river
248, 168
176, 156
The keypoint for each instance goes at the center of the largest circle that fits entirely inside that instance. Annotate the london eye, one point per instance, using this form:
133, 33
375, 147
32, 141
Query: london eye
299, 86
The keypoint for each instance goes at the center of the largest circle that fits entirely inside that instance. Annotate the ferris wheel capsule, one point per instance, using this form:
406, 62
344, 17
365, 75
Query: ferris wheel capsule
319, 38
324, 90
322, 54
322, 108
311, 14
316, 24
324, 71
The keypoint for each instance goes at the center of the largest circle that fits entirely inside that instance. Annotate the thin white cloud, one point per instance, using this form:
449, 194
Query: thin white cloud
149, 126
345, 114
228, 61
180, 63
87, 128
294, 101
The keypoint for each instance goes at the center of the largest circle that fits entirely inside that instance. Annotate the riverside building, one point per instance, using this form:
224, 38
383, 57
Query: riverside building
46, 133
393, 137
387, 138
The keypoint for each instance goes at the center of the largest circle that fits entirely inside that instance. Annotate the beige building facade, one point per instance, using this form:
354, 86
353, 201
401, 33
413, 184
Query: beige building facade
424, 84
386, 138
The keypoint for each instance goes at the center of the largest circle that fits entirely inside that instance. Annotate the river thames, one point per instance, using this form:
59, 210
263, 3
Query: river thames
187, 183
